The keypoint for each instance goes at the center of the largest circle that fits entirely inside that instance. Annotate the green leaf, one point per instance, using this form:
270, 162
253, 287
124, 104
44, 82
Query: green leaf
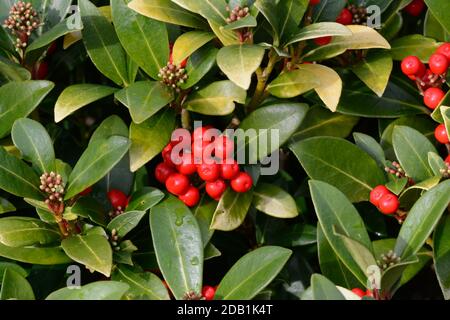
211, 252
371, 146
247, 22
100, 290
282, 118
204, 213
178, 246
335, 211
239, 62
433, 29
274, 201
375, 71
231, 210
97, 160
227, 37
321, 29
125, 222
199, 64
19, 99
362, 37
17, 178
323, 122
422, 219
22, 231
144, 39
111, 126
143, 284
436, 163
441, 255
218, 98
411, 149
35, 255
34, 143
167, 11
150, 137
144, 199
293, 83
6, 206
144, 99
93, 250
439, 10
213, 10
11, 71
77, 96
415, 45
15, 287
268, 9
324, 289
102, 43
252, 273
12, 266
90, 208
341, 164
188, 43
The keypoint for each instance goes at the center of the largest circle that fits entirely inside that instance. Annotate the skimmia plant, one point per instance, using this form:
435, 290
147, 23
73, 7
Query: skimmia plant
224, 149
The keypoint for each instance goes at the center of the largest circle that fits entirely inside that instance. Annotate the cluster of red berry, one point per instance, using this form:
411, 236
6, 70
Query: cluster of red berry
361, 293
430, 80
384, 200
119, 202
202, 157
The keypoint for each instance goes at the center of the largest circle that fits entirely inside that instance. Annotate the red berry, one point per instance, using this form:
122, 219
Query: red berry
359, 292
86, 191
205, 133
322, 41
369, 293
438, 63
117, 198
242, 183
182, 136
229, 171
208, 171
51, 49
447, 160
388, 204
444, 50
216, 188
187, 165
345, 17
40, 70
415, 8
202, 150
177, 184
191, 197
314, 2
223, 147
208, 292
441, 134
377, 193
433, 97
163, 171
412, 66
167, 155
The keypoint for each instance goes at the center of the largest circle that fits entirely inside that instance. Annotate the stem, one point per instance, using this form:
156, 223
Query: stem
185, 119
260, 91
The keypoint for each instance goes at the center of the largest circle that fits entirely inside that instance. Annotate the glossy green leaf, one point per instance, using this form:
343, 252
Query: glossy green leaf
15, 287
252, 273
436, 163
199, 64
34, 143
17, 178
150, 137
144, 199
144, 99
411, 149
90, 208
167, 11
77, 96
375, 71
269, 10
324, 289
13, 266
371, 146
11, 71
143, 284
35, 255
100, 290
321, 29
416, 45
111, 126
188, 43
293, 83
204, 213
433, 29
213, 10
439, 10
144, 39
274, 201
231, 210
441, 255
178, 246
247, 22
97, 160
94, 251
341, 164
6, 206
217, 99
23, 231
280, 119
239, 62
422, 219
102, 43
19, 99
125, 222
